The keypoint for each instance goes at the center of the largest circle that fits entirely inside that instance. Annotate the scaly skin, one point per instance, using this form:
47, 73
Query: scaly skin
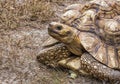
52, 54
97, 69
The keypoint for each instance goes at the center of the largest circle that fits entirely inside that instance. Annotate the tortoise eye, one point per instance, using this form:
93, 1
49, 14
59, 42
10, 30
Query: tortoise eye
59, 27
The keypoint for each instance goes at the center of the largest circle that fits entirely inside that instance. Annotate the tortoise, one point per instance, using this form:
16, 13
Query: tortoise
86, 39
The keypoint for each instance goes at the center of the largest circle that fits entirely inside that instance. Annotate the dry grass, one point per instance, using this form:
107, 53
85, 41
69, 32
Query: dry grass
17, 13
13, 12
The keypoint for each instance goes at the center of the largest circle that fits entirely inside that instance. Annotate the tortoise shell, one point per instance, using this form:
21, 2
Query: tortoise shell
105, 53
102, 9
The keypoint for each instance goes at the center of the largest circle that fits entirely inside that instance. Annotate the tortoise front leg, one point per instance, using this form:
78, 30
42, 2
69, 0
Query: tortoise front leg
86, 64
50, 55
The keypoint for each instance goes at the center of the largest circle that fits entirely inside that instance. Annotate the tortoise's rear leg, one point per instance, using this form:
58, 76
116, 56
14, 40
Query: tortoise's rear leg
86, 64
50, 55
97, 69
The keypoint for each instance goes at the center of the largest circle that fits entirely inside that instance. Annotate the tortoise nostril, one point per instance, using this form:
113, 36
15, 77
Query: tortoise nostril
59, 27
68, 32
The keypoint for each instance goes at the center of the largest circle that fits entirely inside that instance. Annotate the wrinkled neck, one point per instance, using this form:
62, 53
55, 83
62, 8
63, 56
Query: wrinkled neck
76, 39
75, 46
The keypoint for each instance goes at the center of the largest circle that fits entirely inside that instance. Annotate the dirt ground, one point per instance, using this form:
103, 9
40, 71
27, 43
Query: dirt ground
18, 50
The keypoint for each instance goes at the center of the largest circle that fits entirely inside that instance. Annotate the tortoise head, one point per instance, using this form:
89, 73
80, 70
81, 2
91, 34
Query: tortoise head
61, 32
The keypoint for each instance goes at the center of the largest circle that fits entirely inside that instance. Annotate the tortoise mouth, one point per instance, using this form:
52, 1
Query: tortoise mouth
51, 31
55, 33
